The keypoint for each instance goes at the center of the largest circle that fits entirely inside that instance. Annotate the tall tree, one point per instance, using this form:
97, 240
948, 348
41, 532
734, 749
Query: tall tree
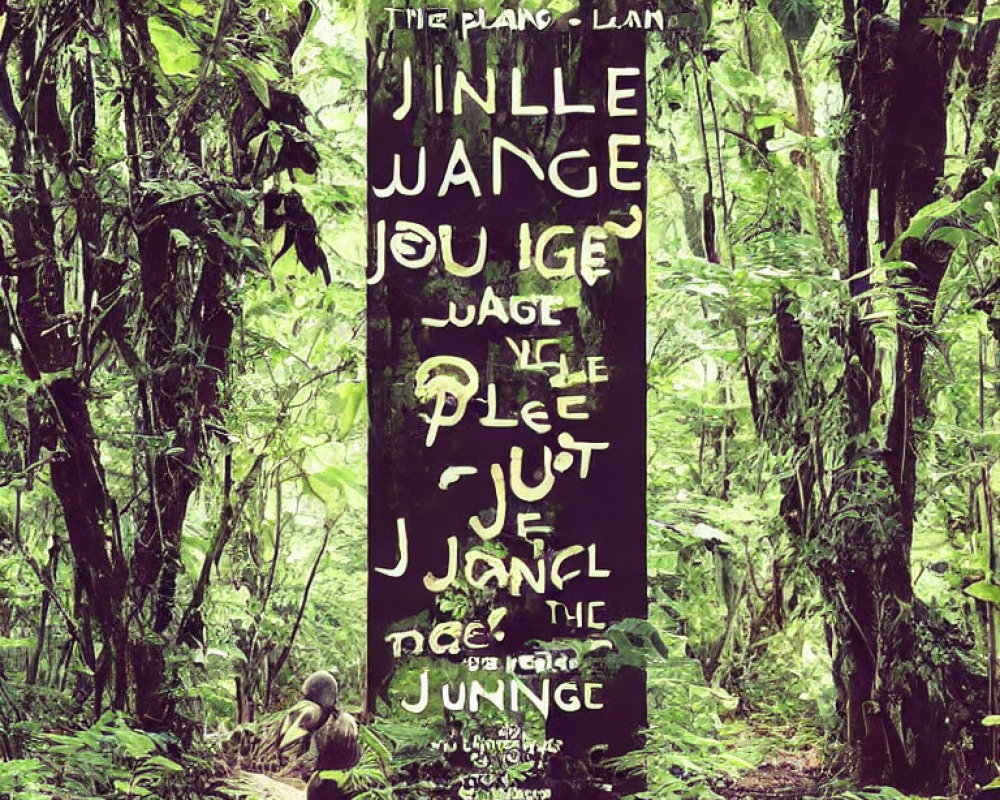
907, 690
149, 157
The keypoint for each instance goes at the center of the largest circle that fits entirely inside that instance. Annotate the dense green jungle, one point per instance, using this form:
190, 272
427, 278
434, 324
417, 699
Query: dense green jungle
183, 398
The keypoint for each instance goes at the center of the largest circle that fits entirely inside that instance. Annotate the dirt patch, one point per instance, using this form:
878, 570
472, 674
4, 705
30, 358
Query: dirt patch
263, 787
785, 778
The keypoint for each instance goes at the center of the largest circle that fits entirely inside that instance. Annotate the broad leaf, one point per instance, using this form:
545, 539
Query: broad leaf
177, 55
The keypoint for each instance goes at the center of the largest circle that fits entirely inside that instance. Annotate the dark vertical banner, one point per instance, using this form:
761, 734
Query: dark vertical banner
506, 329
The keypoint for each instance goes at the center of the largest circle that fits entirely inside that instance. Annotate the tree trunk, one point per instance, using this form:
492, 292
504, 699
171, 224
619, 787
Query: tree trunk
151, 270
907, 690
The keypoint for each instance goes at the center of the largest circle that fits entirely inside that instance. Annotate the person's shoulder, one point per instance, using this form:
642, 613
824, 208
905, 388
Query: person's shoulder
346, 723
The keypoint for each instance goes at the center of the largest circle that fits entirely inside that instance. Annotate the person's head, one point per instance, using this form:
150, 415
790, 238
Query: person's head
321, 687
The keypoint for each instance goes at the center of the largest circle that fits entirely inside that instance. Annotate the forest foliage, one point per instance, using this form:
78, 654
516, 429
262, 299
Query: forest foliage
182, 388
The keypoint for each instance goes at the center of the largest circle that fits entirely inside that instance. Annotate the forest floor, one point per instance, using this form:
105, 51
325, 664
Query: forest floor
789, 776
264, 787
787, 761
792, 777
776, 764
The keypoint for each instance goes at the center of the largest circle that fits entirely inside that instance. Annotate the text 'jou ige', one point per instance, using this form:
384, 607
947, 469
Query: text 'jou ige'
555, 252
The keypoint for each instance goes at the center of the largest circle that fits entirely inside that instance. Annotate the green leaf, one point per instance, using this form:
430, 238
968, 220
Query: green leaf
130, 789
368, 738
985, 591
337, 776
991, 720
351, 395
342, 478
177, 54
192, 8
951, 235
923, 220
761, 121
136, 744
260, 75
165, 763
257, 81
936, 24
8, 643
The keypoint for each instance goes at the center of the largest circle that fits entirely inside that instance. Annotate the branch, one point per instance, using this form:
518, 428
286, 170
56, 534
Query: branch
305, 597
986, 152
221, 25
44, 581
227, 524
